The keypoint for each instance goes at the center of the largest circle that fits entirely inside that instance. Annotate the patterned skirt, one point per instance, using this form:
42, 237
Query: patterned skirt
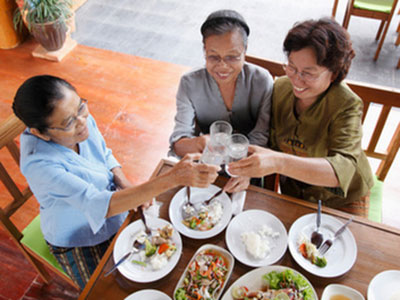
80, 262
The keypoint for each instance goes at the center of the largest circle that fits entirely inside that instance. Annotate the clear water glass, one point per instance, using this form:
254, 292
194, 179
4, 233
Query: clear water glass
215, 152
237, 149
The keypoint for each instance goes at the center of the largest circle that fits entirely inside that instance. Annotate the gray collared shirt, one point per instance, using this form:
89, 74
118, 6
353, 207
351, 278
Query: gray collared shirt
199, 103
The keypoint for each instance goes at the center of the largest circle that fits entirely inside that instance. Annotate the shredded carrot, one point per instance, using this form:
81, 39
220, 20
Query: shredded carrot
163, 247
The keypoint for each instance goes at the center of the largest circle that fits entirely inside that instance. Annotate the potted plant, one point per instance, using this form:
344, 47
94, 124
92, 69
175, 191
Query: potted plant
45, 19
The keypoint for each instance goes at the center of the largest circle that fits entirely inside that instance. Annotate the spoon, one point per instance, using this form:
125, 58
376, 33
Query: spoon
188, 209
316, 236
146, 228
212, 197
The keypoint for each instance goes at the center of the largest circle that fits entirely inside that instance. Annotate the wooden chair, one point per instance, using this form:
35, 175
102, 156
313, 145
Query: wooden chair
375, 9
386, 97
30, 241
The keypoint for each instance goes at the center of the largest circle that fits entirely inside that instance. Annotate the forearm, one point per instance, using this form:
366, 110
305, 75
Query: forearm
189, 145
311, 170
134, 196
120, 179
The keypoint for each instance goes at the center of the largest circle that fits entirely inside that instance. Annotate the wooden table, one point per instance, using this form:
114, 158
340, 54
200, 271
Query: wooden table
378, 247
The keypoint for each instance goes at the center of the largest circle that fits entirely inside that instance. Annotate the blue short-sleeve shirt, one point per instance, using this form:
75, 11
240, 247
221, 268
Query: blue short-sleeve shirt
73, 190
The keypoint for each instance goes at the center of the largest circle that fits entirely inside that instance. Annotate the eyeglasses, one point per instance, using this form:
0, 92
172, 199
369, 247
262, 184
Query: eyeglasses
306, 76
229, 59
72, 122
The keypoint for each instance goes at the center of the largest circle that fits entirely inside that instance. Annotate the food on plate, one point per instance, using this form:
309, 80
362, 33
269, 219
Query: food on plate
158, 248
309, 251
259, 244
284, 285
205, 276
208, 216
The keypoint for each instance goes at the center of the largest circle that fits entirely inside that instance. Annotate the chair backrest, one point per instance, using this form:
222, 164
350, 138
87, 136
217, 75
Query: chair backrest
386, 97
10, 129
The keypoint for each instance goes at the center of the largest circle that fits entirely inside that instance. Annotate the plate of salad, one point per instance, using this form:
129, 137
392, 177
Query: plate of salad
338, 260
208, 221
206, 275
157, 254
271, 282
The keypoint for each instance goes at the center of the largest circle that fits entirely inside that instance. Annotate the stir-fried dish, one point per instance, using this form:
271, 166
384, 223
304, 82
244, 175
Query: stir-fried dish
284, 285
157, 249
205, 277
207, 218
310, 252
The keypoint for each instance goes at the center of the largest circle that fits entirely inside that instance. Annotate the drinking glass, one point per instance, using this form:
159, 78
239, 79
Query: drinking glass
237, 149
215, 152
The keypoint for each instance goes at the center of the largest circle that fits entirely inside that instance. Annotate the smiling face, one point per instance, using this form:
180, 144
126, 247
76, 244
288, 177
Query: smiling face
67, 124
304, 61
224, 56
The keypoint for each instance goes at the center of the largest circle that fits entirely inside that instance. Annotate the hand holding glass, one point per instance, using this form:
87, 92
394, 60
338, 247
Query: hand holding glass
237, 149
215, 152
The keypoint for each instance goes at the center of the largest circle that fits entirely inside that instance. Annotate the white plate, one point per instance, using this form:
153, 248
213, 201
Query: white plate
228, 259
339, 289
340, 257
124, 244
252, 280
198, 195
148, 295
385, 285
253, 220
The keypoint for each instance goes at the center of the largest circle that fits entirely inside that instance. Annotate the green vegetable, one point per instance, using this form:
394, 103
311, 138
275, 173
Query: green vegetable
150, 249
138, 262
320, 262
180, 294
276, 280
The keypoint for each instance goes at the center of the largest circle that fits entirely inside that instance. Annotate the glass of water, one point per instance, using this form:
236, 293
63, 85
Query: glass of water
215, 152
237, 149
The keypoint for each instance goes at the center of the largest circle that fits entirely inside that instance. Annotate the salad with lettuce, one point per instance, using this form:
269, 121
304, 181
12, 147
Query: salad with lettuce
286, 285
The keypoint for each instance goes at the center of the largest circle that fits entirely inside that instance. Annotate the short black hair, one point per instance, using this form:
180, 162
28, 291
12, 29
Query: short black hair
223, 21
329, 40
35, 98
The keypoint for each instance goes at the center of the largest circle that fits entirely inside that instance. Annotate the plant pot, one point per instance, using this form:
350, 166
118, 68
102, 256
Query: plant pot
50, 35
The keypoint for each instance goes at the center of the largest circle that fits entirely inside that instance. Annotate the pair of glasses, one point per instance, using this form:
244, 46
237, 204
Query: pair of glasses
306, 76
72, 122
229, 59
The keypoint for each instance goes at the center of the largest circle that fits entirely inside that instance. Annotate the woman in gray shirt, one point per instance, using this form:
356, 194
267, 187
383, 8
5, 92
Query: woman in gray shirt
226, 89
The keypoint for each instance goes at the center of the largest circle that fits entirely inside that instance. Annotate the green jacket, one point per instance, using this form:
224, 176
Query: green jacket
330, 128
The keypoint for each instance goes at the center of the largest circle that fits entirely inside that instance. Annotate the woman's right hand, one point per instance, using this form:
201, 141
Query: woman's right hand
259, 163
189, 172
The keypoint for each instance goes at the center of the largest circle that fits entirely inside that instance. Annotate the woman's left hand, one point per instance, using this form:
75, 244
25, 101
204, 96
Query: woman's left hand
237, 184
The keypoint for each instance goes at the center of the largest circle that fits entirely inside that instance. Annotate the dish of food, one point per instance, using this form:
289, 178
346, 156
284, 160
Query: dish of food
256, 238
341, 292
206, 274
271, 282
194, 228
148, 295
158, 255
206, 217
341, 256
385, 285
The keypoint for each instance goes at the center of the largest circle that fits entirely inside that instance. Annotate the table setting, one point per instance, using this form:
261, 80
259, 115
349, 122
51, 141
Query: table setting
259, 244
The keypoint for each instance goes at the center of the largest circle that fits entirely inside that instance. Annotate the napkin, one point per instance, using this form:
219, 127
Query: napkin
238, 200
153, 210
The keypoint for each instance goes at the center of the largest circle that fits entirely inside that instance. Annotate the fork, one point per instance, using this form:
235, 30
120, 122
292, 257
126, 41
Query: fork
329, 242
135, 248
212, 197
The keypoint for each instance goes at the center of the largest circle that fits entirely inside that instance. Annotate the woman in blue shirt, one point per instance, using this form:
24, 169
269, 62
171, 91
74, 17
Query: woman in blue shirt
83, 194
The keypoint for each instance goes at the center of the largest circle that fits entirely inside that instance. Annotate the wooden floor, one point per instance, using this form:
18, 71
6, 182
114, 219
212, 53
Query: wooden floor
133, 102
